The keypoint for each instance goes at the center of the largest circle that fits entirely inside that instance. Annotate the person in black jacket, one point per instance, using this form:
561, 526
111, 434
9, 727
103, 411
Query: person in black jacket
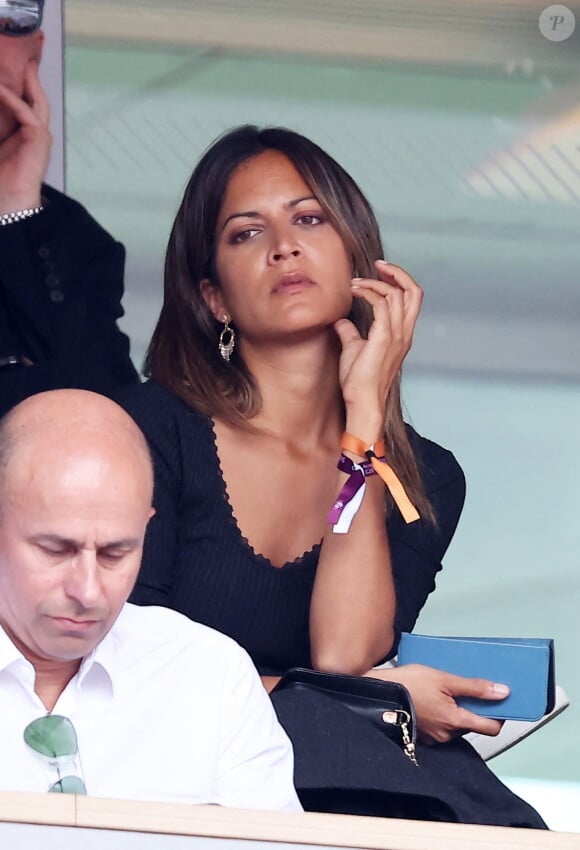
61, 274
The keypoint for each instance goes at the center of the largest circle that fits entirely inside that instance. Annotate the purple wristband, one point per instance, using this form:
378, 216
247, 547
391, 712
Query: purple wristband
357, 472
345, 464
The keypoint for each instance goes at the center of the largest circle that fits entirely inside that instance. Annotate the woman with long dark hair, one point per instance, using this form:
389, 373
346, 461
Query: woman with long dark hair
276, 357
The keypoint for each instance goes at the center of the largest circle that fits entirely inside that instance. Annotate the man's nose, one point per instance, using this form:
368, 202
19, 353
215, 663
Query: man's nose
83, 579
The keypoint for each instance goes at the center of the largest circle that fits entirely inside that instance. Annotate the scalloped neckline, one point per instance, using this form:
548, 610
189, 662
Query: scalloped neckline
296, 562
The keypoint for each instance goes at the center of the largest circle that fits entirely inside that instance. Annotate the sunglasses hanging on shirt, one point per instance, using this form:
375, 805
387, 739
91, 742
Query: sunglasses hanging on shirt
20, 17
54, 738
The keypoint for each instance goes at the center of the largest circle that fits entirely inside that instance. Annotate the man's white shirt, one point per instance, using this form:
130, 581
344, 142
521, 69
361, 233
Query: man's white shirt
164, 709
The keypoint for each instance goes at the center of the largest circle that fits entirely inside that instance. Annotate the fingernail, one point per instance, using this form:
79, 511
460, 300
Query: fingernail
383, 262
500, 690
356, 278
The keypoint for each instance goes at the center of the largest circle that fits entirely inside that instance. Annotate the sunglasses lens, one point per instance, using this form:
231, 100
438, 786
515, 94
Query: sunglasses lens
19, 17
52, 736
68, 785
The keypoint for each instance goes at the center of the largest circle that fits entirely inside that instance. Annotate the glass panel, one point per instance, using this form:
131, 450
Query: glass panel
461, 122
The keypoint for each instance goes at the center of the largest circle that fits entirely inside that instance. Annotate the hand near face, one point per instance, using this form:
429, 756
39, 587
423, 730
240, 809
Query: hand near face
368, 367
439, 718
24, 153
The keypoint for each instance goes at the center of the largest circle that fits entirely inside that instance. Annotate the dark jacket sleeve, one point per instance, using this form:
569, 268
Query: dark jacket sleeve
145, 402
61, 285
417, 549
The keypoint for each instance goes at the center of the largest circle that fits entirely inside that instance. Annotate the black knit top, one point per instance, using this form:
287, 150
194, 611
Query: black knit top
197, 562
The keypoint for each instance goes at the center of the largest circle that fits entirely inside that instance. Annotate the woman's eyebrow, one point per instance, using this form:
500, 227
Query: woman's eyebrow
254, 213
294, 203
248, 214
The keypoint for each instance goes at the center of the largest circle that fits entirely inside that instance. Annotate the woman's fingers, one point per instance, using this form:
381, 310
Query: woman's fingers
434, 692
394, 282
388, 308
347, 332
462, 686
369, 367
412, 293
467, 721
391, 273
464, 720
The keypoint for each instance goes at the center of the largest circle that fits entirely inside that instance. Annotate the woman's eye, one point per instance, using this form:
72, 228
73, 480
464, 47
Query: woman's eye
244, 235
310, 219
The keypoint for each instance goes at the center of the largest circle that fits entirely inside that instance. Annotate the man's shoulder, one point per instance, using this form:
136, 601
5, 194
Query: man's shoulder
139, 628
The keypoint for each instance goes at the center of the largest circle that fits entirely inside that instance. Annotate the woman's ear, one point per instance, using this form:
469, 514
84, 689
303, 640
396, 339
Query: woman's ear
213, 298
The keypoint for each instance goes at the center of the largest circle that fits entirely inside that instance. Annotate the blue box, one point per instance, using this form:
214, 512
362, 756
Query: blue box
526, 665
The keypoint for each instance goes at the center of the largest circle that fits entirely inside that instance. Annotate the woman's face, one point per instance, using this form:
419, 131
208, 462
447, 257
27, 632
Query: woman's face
282, 267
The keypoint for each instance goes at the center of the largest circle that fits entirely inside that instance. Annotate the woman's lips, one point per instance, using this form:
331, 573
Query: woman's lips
294, 282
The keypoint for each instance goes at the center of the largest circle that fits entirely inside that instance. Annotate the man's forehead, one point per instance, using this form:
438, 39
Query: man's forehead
88, 491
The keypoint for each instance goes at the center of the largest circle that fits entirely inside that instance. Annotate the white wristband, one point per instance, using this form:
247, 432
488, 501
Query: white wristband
19, 215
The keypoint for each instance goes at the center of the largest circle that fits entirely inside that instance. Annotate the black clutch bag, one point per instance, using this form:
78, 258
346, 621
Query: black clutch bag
386, 705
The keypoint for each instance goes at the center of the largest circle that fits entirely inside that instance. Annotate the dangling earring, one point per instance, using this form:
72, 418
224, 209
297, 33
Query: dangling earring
227, 340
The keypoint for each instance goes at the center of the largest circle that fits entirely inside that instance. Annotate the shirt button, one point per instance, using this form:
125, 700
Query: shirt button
56, 296
44, 252
52, 280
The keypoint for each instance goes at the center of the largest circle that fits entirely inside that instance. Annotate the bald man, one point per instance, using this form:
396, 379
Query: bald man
61, 274
96, 695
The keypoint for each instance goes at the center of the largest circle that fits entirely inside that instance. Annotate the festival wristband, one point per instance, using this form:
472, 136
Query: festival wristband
349, 500
375, 454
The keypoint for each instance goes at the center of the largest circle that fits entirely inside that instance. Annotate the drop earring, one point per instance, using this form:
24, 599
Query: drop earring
227, 340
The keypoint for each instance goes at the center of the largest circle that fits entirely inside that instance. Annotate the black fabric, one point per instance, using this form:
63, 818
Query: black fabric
368, 697
344, 764
197, 561
61, 284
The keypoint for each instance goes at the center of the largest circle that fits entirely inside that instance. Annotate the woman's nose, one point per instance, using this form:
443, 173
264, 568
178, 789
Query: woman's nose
284, 245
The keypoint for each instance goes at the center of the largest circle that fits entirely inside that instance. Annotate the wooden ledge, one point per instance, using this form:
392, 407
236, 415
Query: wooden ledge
288, 827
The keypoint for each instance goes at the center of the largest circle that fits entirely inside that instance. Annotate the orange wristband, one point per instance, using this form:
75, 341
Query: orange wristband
348, 443
375, 454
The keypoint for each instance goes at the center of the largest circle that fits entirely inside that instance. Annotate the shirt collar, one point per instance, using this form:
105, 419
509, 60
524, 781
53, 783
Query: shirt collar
102, 656
9, 653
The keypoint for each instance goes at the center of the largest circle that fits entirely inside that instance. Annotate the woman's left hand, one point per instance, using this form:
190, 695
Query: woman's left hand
439, 717
368, 367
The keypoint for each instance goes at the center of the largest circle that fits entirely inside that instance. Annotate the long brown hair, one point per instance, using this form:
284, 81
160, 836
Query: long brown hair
183, 353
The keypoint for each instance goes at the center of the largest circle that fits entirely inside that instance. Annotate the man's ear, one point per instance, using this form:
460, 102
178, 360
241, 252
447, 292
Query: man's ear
213, 298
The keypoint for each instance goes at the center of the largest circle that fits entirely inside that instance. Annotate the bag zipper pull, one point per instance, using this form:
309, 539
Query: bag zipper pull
402, 719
